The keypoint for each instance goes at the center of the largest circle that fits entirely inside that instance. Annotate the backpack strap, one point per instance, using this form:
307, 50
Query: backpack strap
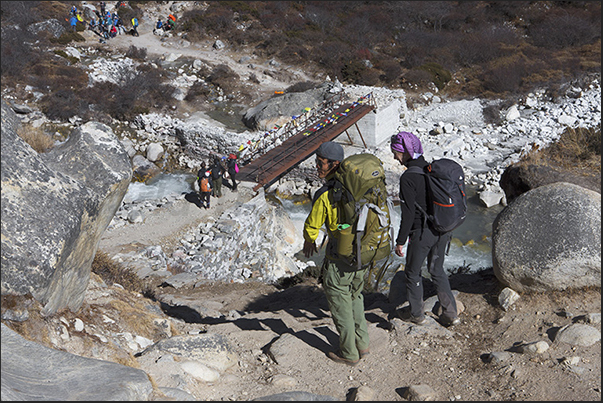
418, 170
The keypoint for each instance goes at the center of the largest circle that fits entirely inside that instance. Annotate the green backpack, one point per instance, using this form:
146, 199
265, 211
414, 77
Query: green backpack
364, 210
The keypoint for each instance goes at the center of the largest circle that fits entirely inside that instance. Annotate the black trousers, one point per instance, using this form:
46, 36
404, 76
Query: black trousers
431, 245
233, 176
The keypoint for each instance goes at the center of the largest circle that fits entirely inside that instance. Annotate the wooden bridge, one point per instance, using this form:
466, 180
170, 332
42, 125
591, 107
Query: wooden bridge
301, 141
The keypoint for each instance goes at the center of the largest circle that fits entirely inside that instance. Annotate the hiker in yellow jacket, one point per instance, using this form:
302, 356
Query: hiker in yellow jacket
342, 283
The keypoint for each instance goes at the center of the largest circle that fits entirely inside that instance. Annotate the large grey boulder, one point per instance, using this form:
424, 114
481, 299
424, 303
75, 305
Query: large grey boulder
279, 110
31, 371
55, 207
549, 238
519, 178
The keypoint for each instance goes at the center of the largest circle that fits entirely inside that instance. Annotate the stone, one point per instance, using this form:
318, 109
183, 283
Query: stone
212, 350
512, 113
200, 371
154, 151
549, 239
507, 297
363, 394
578, 335
81, 184
519, 178
31, 371
490, 198
421, 393
537, 347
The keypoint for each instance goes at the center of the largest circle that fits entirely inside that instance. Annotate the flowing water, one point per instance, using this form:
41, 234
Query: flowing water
160, 186
470, 249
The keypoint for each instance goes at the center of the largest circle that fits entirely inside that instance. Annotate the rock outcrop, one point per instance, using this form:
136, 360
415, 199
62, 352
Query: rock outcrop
519, 178
31, 371
55, 207
549, 238
279, 110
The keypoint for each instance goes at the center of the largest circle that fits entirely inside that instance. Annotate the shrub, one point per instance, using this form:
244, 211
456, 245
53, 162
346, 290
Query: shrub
417, 77
112, 272
562, 31
67, 37
391, 70
439, 75
504, 76
216, 20
191, 22
19, 13
17, 54
224, 77
53, 75
61, 105
293, 54
483, 46
136, 53
369, 76
580, 147
198, 89
36, 138
352, 71
302, 86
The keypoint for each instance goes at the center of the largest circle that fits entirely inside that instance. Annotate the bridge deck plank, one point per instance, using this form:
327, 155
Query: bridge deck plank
269, 167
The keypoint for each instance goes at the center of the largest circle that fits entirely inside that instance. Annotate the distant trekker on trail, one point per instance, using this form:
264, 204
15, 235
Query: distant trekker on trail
233, 169
205, 187
73, 22
135, 26
425, 241
217, 171
158, 25
343, 272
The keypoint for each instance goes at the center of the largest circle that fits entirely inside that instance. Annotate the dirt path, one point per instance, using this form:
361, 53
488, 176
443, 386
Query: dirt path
157, 46
165, 226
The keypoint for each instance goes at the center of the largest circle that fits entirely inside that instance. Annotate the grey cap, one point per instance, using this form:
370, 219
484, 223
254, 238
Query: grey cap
331, 151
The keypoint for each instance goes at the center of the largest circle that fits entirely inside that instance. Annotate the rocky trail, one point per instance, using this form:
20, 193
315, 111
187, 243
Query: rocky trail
228, 341
281, 336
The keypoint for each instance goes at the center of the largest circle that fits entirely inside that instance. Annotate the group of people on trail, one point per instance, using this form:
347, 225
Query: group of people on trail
210, 178
168, 25
344, 279
106, 24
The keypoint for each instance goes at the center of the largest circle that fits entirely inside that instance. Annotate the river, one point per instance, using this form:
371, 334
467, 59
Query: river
470, 250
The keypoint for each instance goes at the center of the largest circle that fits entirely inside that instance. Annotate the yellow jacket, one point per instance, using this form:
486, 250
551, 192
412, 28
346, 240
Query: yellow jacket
323, 212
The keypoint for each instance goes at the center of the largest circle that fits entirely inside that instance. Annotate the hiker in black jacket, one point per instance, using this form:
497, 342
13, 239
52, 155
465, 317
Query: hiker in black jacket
425, 241
217, 171
232, 170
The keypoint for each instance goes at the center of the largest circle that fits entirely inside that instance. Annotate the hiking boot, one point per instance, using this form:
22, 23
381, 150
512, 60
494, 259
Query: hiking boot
364, 353
446, 321
339, 359
406, 316
418, 320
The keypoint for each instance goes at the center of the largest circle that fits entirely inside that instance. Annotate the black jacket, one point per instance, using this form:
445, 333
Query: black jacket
231, 166
217, 171
412, 188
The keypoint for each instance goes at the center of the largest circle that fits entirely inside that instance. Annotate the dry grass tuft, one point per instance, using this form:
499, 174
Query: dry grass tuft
576, 148
36, 138
135, 318
112, 272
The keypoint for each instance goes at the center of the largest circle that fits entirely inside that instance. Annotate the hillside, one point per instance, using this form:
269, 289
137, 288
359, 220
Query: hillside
482, 359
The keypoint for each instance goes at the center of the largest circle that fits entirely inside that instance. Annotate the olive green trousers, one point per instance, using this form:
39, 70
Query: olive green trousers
343, 288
